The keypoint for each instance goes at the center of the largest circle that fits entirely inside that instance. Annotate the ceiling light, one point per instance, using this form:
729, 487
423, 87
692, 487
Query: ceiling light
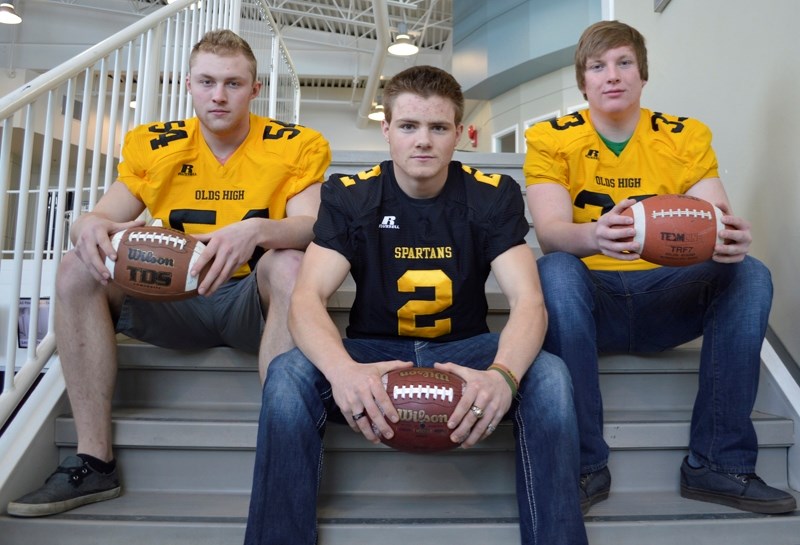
403, 45
376, 114
8, 15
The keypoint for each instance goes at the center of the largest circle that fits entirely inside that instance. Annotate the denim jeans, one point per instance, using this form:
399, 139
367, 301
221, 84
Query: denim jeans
593, 312
297, 403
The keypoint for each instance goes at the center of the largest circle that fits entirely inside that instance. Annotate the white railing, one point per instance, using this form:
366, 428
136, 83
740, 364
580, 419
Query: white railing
60, 142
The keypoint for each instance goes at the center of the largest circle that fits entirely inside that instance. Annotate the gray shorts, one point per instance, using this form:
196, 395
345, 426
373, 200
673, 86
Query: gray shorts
232, 316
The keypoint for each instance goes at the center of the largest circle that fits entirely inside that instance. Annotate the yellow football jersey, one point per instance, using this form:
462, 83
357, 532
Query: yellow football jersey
666, 154
171, 169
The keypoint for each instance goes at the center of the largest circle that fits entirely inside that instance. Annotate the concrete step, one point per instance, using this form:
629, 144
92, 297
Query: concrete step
227, 379
185, 426
652, 518
168, 448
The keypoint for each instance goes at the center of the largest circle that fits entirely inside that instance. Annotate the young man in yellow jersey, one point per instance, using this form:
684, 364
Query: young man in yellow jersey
582, 171
246, 186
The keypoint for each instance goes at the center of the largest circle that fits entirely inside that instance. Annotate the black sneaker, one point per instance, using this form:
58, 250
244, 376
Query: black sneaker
73, 484
745, 491
594, 488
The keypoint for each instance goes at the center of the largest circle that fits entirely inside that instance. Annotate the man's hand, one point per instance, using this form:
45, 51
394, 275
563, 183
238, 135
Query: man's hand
737, 237
227, 249
485, 390
612, 230
360, 395
92, 239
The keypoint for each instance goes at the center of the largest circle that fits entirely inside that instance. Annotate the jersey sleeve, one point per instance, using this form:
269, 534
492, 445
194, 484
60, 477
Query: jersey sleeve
544, 160
312, 162
331, 230
701, 161
508, 225
132, 170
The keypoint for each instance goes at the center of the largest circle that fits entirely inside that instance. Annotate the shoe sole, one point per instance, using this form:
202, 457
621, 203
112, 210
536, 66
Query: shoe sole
53, 508
737, 502
597, 498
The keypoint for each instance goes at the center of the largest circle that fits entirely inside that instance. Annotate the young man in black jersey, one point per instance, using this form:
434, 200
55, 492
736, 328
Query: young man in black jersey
420, 220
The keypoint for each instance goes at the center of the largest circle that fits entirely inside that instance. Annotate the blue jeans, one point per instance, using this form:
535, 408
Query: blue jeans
297, 403
592, 312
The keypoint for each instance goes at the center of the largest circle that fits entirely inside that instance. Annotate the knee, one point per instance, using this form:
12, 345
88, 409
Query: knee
547, 389
566, 284
752, 282
291, 382
757, 274
73, 279
277, 271
562, 273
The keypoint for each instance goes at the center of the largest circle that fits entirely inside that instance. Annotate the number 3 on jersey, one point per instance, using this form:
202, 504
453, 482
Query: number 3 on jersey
408, 313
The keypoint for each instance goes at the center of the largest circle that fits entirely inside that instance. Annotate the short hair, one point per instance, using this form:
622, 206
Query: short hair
224, 43
605, 35
424, 81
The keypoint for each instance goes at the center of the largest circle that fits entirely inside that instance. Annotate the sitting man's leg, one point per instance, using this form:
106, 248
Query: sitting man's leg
283, 503
723, 448
276, 273
88, 352
547, 456
570, 297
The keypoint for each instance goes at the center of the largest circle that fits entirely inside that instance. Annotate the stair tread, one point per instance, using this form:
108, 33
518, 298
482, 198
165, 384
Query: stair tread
206, 519
138, 355
237, 428
391, 508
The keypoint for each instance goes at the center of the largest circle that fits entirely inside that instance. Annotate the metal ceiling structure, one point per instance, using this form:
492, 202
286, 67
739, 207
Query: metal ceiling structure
428, 21
337, 30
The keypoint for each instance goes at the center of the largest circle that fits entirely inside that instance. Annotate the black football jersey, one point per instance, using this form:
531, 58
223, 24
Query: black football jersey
420, 265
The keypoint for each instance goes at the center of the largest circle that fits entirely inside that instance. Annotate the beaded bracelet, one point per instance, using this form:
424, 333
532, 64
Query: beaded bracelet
509, 378
507, 371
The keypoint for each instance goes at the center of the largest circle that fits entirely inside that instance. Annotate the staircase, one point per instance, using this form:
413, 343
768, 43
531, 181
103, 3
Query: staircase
185, 429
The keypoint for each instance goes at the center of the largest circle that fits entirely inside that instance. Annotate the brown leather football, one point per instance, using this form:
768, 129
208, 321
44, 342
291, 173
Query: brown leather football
154, 263
675, 230
425, 399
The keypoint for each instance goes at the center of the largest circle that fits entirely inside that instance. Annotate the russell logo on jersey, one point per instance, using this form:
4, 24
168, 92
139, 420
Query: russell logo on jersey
389, 222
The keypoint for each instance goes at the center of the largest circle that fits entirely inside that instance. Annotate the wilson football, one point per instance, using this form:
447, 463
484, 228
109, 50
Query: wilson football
425, 399
154, 263
675, 230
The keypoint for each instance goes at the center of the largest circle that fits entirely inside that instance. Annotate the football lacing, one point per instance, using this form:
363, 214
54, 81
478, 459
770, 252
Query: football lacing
421, 390
679, 213
158, 238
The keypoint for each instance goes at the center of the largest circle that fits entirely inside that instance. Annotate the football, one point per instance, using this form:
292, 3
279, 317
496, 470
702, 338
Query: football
425, 399
154, 263
675, 230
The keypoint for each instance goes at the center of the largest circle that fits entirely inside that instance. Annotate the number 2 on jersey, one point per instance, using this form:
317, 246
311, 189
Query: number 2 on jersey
443, 299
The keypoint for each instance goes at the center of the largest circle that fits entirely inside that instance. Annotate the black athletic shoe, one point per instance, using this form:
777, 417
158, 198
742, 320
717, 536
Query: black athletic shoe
745, 491
73, 484
594, 488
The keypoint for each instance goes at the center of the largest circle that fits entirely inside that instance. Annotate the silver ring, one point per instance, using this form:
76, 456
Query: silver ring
490, 428
359, 416
477, 411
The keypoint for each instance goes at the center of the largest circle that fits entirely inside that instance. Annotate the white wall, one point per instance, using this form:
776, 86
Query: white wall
337, 122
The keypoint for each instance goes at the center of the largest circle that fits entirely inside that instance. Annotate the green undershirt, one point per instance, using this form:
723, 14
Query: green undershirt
615, 147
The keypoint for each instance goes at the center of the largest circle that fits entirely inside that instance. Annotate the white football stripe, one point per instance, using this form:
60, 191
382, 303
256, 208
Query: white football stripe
639, 224
435, 392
